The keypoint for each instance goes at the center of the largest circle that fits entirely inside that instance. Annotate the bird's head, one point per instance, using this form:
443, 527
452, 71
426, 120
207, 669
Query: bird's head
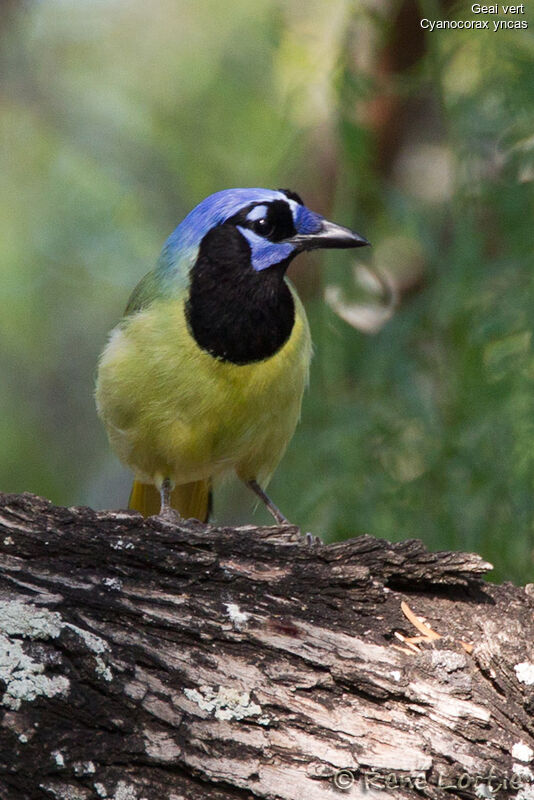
273, 226
228, 259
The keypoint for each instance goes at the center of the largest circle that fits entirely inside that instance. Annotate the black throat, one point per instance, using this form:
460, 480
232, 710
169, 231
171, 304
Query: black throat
234, 312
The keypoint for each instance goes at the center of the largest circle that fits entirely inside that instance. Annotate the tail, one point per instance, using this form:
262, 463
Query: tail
191, 500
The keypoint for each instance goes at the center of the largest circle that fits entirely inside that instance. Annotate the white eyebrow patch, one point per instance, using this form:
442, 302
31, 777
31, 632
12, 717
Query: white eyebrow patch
257, 213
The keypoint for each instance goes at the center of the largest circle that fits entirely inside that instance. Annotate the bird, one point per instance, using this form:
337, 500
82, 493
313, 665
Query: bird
204, 375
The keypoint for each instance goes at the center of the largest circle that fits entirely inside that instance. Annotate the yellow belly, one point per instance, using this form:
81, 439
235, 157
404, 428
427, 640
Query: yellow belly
172, 410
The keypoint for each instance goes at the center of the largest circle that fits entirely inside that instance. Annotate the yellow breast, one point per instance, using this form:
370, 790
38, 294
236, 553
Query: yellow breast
172, 410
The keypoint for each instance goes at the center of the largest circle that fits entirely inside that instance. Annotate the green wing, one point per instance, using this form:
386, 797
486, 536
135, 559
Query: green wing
168, 278
148, 289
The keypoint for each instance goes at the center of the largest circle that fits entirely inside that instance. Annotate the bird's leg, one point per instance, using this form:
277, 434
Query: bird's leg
277, 514
311, 540
165, 494
166, 511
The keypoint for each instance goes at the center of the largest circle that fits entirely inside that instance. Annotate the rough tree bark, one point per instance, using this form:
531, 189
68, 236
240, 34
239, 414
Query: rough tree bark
139, 659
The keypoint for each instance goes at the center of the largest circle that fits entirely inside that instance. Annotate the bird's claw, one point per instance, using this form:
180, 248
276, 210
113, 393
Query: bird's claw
168, 514
311, 540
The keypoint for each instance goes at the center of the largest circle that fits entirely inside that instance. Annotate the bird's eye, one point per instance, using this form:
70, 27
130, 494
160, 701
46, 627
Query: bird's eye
262, 226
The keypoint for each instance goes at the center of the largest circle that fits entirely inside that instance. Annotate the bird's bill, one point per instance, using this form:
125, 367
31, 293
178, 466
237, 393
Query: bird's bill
329, 235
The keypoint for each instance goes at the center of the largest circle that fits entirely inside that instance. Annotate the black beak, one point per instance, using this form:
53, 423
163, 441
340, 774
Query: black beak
328, 235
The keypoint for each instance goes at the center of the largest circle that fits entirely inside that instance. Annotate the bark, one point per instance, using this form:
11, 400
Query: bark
143, 659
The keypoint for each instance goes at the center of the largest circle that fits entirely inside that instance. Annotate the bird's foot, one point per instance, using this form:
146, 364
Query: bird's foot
168, 514
312, 540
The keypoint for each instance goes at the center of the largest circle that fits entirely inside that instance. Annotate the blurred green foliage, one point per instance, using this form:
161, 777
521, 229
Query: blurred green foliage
117, 117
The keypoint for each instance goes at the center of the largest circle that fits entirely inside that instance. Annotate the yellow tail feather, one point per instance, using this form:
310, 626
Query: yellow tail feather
191, 500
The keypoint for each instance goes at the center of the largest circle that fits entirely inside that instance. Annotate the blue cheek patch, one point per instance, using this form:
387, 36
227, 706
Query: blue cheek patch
265, 254
307, 221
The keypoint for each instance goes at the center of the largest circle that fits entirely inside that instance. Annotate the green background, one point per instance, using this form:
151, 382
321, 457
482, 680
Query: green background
117, 117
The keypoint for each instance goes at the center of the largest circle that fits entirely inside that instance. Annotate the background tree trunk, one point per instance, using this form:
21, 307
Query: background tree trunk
139, 659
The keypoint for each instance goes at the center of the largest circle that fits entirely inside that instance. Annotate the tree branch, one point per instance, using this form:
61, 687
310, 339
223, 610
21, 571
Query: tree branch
144, 660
